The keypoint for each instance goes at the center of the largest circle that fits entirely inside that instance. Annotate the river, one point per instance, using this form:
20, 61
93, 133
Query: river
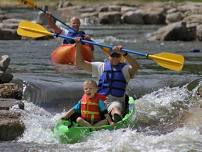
50, 89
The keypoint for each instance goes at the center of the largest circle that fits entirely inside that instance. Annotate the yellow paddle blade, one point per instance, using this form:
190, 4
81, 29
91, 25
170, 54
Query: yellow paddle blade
33, 30
169, 60
105, 51
28, 2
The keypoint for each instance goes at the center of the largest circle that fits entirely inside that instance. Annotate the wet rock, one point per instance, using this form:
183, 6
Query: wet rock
64, 3
67, 12
174, 32
193, 84
8, 29
10, 90
5, 77
199, 32
195, 19
3, 17
87, 10
6, 104
89, 18
109, 17
4, 62
113, 8
174, 17
11, 126
5, 72
149, 13
154, 16
133, 17
125, 9
9, 34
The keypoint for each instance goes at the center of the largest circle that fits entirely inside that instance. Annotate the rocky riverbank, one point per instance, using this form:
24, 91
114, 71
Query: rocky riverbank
179, 21
11, 125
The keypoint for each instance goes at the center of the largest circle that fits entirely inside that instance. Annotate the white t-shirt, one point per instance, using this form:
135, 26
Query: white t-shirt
64, 31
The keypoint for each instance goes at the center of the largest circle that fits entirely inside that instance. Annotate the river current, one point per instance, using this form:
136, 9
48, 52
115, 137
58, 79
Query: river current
50, 89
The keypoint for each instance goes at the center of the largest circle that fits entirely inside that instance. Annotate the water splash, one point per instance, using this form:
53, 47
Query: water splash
112, 40
160, 111
39, 124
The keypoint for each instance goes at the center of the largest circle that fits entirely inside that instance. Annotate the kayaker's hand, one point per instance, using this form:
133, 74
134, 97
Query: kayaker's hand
112, 123
77, 40
106, 101
118, 49
87, 37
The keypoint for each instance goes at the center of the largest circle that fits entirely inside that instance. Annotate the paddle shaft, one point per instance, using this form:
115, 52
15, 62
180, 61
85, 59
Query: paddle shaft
123, 49
102, 45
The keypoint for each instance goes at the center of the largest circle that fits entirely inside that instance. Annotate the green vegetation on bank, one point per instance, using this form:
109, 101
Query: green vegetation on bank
130, 1
16, 3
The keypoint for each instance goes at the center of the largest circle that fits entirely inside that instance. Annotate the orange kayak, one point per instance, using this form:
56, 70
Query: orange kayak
65, 54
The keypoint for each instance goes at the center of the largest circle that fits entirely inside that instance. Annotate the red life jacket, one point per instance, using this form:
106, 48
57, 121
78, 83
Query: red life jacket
90, 109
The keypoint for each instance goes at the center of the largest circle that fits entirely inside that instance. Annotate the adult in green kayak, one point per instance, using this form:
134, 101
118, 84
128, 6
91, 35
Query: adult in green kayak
91, 107
113, 75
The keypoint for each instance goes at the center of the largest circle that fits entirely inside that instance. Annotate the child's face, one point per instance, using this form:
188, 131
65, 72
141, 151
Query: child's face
89, 89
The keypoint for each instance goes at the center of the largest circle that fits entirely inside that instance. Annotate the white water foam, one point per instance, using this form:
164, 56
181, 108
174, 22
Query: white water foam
38, 123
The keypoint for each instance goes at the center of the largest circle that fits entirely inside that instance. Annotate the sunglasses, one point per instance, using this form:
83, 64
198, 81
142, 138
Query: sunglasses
116, 55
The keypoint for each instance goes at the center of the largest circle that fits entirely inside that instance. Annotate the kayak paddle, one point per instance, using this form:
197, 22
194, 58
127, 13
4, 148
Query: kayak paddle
32, 4
167, 60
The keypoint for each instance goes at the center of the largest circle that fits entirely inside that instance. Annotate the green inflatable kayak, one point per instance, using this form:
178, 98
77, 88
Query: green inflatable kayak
70, 132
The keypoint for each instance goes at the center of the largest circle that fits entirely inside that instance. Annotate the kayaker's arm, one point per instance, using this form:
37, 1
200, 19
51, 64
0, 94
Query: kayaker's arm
79, 59
51, 23
107, 116
68, 114
133, 63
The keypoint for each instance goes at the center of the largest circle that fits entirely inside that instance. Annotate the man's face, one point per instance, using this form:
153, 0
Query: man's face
75, 23
115, 58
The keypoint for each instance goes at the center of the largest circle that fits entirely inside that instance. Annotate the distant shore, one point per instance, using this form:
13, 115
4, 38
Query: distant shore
16, 3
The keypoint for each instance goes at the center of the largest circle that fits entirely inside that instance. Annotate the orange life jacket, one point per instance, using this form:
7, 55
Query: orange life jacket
90, 109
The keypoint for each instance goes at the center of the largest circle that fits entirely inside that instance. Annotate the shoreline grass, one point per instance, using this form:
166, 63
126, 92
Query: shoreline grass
53, 3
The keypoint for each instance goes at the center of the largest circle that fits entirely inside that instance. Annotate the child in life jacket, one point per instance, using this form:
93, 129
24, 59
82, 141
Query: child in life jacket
90, 107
